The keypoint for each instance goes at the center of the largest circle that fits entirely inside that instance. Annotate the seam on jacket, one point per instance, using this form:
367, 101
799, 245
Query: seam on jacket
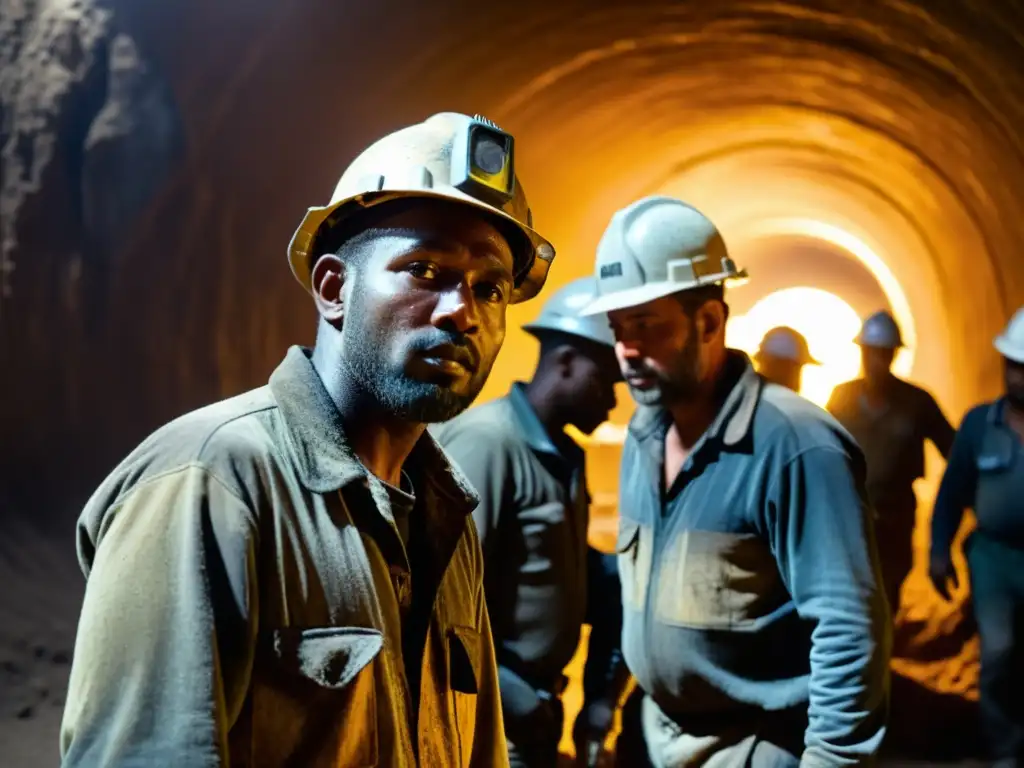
123, 497
799, 455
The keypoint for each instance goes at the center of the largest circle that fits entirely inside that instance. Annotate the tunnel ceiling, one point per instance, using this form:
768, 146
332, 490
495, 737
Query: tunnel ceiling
893, 122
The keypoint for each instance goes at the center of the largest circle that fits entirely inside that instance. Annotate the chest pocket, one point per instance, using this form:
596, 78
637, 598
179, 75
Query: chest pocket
997, 449
463, 680
711, 580
634, 547
315, 698
546, 538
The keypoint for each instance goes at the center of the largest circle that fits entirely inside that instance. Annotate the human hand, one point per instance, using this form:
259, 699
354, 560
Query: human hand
942, 573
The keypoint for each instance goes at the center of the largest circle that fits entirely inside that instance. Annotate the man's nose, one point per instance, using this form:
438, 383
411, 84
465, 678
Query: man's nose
627, 350
456, 309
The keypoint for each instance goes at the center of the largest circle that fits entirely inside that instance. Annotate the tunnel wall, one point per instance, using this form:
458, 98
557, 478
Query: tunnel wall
148, 253
890, 120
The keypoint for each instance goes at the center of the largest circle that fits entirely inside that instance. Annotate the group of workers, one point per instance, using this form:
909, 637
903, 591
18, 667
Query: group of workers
305, 575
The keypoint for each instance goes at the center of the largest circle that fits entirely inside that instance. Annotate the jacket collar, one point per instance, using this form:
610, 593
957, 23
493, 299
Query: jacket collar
734, 419
321, 452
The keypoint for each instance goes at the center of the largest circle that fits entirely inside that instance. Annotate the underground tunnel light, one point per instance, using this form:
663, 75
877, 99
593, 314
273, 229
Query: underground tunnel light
828, 323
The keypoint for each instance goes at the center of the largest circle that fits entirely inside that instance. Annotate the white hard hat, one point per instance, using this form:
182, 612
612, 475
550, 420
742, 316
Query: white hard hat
880, 330
449, 156
786, 343
656, 247
1010, 342
561, 314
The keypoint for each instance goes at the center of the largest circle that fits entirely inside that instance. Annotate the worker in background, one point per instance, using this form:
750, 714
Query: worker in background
292, 576
753, 619
542, 580
891, 419
782, 355
986, 473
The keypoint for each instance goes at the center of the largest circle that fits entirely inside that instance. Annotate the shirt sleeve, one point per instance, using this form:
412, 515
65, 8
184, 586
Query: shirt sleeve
166, 637
956, 491
940, 431
604, 675
821, 532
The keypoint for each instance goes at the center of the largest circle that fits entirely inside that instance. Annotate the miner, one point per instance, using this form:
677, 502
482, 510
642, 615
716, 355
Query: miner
891, 419
292, 576
782, 355
986, 473
543, 581
753, 618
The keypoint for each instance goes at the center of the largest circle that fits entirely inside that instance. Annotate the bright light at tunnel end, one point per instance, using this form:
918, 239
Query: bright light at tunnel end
872, 261
827, 322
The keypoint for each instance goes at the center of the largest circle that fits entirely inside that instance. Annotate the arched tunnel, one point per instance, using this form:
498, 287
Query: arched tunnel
157, 157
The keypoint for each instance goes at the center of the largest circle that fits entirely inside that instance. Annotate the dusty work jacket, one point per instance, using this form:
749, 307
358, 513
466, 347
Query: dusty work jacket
532, 520
986, 473
892, 439
246, 600
750, 583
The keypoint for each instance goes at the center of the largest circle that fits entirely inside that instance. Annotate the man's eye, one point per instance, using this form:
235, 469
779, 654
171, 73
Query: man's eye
489, 292
423, 270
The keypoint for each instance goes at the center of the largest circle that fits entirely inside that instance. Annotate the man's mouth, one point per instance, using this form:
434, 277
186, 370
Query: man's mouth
450, 359
640, 381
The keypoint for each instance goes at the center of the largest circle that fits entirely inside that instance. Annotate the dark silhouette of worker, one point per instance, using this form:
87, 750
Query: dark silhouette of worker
782, 356
986, 472
891, 419
542, 581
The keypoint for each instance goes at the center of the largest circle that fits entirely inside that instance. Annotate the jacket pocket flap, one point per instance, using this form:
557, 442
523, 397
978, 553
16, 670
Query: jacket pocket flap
464, 659
331, 657
629, 532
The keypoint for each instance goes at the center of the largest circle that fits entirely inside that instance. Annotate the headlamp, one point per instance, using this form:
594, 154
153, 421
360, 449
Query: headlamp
483, 162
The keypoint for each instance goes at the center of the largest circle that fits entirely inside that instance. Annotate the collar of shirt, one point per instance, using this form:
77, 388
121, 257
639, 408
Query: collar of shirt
731, 425
533, 432
997, 413
320, 451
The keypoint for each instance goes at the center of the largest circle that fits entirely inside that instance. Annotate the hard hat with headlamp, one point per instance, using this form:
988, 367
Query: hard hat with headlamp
466, 160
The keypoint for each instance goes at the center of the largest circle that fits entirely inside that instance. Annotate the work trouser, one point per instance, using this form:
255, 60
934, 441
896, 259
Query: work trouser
997, 587
894, 536
544, 727
750, 739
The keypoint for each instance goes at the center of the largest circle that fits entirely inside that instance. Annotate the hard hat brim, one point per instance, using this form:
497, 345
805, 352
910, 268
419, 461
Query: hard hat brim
634, 297
531, 268
570, 327
1008, 350
761, 355
861, 343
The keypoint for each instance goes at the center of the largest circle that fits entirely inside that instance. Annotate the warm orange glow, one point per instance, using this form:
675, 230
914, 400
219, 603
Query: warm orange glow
828, 323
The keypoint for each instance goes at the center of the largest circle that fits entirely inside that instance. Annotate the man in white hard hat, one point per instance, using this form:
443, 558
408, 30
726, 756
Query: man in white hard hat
782, 355
753, 619
891, 419
986, 473
292, 576
543, 581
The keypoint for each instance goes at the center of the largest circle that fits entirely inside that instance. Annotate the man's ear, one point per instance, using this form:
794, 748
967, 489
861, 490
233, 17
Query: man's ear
713, 315
564, 358
328, 281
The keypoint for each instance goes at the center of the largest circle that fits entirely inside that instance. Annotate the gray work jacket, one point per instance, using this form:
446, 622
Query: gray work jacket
532, 521
750, 584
